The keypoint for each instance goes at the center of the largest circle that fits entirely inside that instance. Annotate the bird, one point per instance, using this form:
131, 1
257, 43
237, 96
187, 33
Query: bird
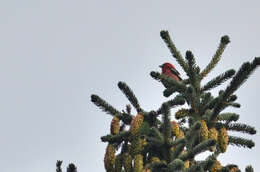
169, 70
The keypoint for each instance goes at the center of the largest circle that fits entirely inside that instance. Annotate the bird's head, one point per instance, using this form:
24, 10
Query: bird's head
166, 66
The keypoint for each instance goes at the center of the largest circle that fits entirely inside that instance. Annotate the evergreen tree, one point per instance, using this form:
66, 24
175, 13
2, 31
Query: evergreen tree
154, 145
169, 145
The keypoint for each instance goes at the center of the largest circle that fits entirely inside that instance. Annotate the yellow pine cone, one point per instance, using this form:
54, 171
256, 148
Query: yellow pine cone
144, 142
147, 170
109, 159
118, 163
147, 167
155, 159
216, 166
115, 126
223, 139
213, 134
175, 128
136, 124
180, 135
181, 113
127, 162
186, 164
138, 163
204, 132
234, 169
136, 146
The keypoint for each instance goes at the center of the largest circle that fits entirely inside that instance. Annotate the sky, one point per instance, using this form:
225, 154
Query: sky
56, 53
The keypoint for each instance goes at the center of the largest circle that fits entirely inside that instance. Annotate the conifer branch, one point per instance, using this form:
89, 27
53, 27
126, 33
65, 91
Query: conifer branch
215, 59
58, 166
203, 146
193, 168
176, 165
240, 142
228, 117
169, 91
178, 100
130, 95
179, 86
71, 168
241, 76
155, 142
193, 129
175, 53
232, 98
244, 72
191, 68
218, 80
123, 135
157, 134
158, 166
102, 104
249, 169
167, 131
242, 128
207, 164
178, 150
178, 141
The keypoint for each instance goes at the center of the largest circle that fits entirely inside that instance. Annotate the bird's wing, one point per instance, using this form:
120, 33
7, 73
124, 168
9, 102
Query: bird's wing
175, 72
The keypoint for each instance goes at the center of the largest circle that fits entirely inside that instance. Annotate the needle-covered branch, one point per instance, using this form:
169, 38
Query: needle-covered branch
176, 165
178, 100
215, 59
179, 86
249, 169
175, 53
241, 128
116, 138
71, 168
218, 80
240, 142
228, 117
130, 95
241, 76
102, 104
58, 166
203, 146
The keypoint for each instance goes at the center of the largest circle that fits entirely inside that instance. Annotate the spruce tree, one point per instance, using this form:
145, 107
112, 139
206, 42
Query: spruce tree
155, 142
167, 145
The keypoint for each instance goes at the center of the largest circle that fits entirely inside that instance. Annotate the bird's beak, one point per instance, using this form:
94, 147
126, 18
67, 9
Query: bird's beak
161, 66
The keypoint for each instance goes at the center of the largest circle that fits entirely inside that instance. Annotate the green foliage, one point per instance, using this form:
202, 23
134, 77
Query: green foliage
175, 53
160, 144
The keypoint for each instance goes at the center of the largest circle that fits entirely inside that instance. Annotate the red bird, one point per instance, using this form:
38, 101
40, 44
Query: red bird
169, 70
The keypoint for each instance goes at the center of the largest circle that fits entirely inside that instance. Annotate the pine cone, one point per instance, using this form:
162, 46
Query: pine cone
136, 146
181, 113
234, 169
223, 139
109, 159
180, 135
186, 164
175, 128
118, 163
127, 162
136, 124
115, 126
138, 163
213, 134
204, 132
216, 166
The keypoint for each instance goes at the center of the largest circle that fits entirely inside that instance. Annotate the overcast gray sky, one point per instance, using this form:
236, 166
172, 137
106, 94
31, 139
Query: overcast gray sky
56, 53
